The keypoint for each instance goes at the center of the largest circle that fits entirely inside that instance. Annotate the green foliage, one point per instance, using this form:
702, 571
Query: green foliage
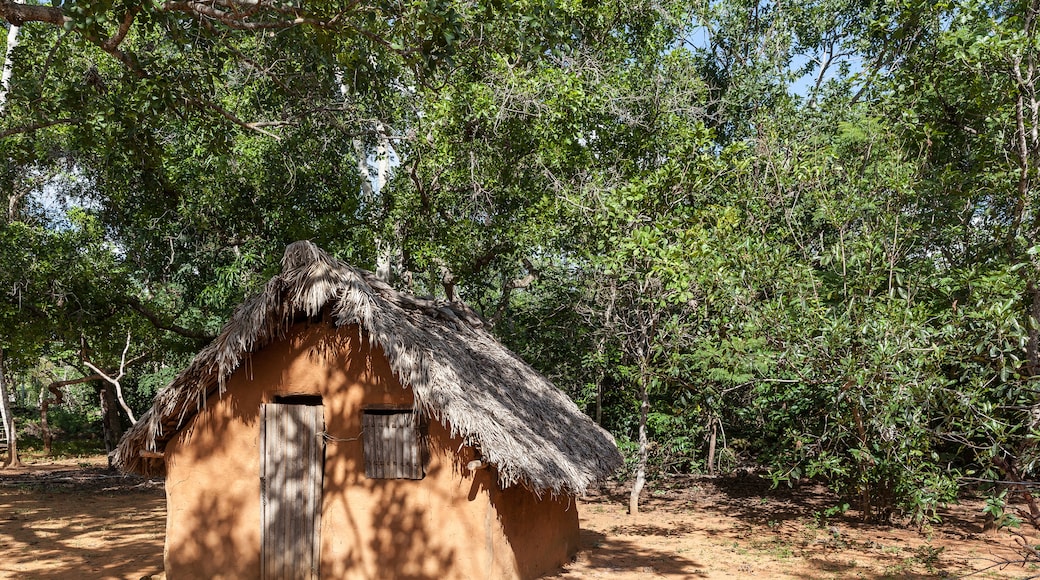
69, 426
809, 228
996, 508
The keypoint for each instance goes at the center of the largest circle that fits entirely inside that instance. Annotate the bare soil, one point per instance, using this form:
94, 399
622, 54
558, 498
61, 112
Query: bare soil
72, 518
737, 527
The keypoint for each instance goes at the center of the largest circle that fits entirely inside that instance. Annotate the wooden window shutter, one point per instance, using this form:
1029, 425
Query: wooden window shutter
392, 444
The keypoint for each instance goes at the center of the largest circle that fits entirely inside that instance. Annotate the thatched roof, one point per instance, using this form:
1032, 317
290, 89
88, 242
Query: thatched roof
460, 375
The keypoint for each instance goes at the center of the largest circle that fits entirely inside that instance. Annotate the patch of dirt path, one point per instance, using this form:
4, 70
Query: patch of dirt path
74, 519
699, 527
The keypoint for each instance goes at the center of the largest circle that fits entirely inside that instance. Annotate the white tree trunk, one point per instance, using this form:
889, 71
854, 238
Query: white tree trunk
8, 419
8, 70
713, 429
644, 409
373, 178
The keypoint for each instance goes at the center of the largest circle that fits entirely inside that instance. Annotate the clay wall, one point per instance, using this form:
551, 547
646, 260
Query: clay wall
451, 524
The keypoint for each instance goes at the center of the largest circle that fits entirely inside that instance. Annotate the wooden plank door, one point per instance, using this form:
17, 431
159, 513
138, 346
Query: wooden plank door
292, 454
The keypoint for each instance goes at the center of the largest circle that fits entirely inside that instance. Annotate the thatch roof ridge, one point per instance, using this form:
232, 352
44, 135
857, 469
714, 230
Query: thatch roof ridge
459, 373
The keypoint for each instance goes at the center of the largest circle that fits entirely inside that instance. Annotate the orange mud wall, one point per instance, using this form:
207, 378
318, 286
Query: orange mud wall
451, 524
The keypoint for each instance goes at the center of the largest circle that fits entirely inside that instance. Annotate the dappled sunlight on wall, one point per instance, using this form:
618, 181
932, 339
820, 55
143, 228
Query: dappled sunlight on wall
541, 532
450, 524
212, 490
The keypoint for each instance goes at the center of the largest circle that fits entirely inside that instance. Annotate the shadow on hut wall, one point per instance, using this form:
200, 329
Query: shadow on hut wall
212, 488
452, 523
390, 536
375, 528
540, 537
213, 550
449, 520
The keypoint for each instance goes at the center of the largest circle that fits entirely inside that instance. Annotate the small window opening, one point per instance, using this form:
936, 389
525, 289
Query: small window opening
394, 444
309, 400
321, 317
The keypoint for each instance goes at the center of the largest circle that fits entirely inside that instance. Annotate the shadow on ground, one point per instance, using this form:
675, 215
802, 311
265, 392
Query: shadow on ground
80, 524
754, 529
613, 555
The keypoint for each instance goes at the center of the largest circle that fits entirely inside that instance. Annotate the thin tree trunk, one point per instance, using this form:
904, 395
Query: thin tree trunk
714, 429
1033, 332
599, 400
8, 70
8, 419
45, 427
866, 505
111, 425
599, 379
644, 410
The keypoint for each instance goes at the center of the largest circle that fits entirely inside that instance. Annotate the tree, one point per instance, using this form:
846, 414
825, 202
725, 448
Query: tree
793, 226
10, 434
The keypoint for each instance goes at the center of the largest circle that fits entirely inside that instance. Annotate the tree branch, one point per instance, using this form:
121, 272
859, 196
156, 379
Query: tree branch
18, 14
59, 397
154, 319
508, 287
124, 27
114, 380
231, 117
236, 20
36, 126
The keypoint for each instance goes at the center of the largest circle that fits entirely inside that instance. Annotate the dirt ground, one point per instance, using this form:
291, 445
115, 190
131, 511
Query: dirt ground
737, 527
72, 519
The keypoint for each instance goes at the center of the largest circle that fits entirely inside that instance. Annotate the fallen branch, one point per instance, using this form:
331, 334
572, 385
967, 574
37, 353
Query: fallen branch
1029, 557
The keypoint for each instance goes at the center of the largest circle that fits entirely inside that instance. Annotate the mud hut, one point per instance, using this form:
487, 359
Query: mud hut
337, 428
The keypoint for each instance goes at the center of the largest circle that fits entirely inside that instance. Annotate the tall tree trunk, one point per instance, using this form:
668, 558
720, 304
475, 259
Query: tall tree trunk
644, 410
390, 254
713, 427
1025, 71
45, 426
8, 419
5, 405
111, 425
8, 69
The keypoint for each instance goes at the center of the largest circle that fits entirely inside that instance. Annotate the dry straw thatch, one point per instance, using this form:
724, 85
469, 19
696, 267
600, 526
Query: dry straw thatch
461, 376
